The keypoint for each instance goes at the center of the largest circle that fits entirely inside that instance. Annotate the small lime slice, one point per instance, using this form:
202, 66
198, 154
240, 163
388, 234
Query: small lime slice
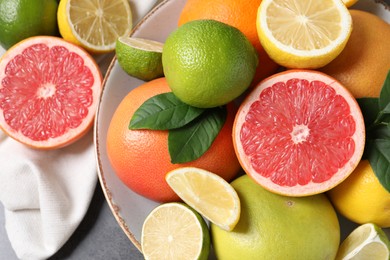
140, 58
209, 194
367, 241
175, 231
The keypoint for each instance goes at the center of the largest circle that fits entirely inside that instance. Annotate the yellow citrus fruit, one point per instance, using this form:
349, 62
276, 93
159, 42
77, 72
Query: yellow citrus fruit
363, 64
361, 198
303, 33
272, 226
207, 193
94, 24
175, 231
349, 3
208, 63
367, 241
20, 19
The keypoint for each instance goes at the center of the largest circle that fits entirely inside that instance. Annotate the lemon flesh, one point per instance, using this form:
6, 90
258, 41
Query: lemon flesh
140, 58
175, 231
367, 241
208, 193
303, 33
95, 25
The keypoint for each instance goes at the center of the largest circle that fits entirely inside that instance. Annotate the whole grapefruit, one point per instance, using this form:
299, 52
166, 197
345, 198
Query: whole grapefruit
141, 159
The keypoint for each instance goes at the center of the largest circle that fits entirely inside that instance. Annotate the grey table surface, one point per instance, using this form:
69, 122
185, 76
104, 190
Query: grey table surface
97, 237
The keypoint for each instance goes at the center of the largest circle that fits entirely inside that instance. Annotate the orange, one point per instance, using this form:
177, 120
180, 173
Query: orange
141, 159
363, 64
49, 92
298, 133
238, 13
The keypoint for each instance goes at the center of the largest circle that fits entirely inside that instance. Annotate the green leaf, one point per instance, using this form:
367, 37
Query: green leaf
370, 109
188, 143
379, 157
384, 97
163, 112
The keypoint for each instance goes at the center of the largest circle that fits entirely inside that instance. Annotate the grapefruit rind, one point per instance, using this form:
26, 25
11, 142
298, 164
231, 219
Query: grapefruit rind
310, 188
72, 134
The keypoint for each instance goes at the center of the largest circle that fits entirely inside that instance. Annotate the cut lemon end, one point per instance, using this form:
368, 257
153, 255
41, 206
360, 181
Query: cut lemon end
94, 25
367, 241
140, 58
303, 34
173, 230
207, 193
349, 3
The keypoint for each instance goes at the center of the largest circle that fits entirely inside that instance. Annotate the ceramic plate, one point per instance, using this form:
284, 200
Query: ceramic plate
129, 208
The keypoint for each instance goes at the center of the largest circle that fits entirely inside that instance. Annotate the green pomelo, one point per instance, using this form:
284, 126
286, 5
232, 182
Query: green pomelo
272, 226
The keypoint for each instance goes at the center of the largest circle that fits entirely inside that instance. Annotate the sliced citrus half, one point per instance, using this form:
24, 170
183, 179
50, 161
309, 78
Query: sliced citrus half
303, 33
367, 241
140, 58
175, 231
207, 193
298, 133
49, 90
94, 24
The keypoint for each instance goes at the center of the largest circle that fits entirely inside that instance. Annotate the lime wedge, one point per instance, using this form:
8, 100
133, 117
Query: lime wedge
140, 58
207, 193
367, 241
175, 231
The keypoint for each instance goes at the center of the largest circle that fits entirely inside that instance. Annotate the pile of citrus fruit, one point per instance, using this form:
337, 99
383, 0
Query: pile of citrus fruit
267, 119
50, 83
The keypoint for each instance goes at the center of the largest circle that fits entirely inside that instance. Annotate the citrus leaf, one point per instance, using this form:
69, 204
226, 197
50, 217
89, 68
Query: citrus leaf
379, 157
384, 97
370, 109
163, 112
191, 141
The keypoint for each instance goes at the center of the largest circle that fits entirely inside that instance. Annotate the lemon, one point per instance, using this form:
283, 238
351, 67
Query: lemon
20, 19
140, 58
349, 3
94, 24
175, 231
208, 63
367, 241
361, 198
272, 226
303, 33
207, 193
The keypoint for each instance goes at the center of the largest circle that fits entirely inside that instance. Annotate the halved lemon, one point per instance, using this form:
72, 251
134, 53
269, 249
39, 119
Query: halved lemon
94, 24
207, 193
303, 33
175, 231
367, 241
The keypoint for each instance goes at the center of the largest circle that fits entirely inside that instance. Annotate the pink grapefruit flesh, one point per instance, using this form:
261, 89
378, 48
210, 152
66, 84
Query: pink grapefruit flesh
299, 133
49, 90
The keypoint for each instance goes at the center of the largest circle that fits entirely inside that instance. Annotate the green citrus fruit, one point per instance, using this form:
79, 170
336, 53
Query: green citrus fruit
20, 19
140, 58
175, 231
208, 63
273, 226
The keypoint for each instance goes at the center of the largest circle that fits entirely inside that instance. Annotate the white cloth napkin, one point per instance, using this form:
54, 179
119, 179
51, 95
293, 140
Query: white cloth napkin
46, 194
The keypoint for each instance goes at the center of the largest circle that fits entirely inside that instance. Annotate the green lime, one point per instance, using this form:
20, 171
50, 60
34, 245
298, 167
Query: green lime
367, 241
20, 19
140, 58
208, 63
175, 231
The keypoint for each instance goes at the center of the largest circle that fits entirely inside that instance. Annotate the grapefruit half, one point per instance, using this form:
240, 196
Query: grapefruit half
49, 90
299, 133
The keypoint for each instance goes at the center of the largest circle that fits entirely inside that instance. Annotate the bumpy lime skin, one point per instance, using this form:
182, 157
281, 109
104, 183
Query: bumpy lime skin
208, 63
20, 19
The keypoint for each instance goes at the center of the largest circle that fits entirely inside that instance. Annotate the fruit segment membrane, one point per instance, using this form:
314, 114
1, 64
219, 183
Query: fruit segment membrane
297, 132
46, 91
